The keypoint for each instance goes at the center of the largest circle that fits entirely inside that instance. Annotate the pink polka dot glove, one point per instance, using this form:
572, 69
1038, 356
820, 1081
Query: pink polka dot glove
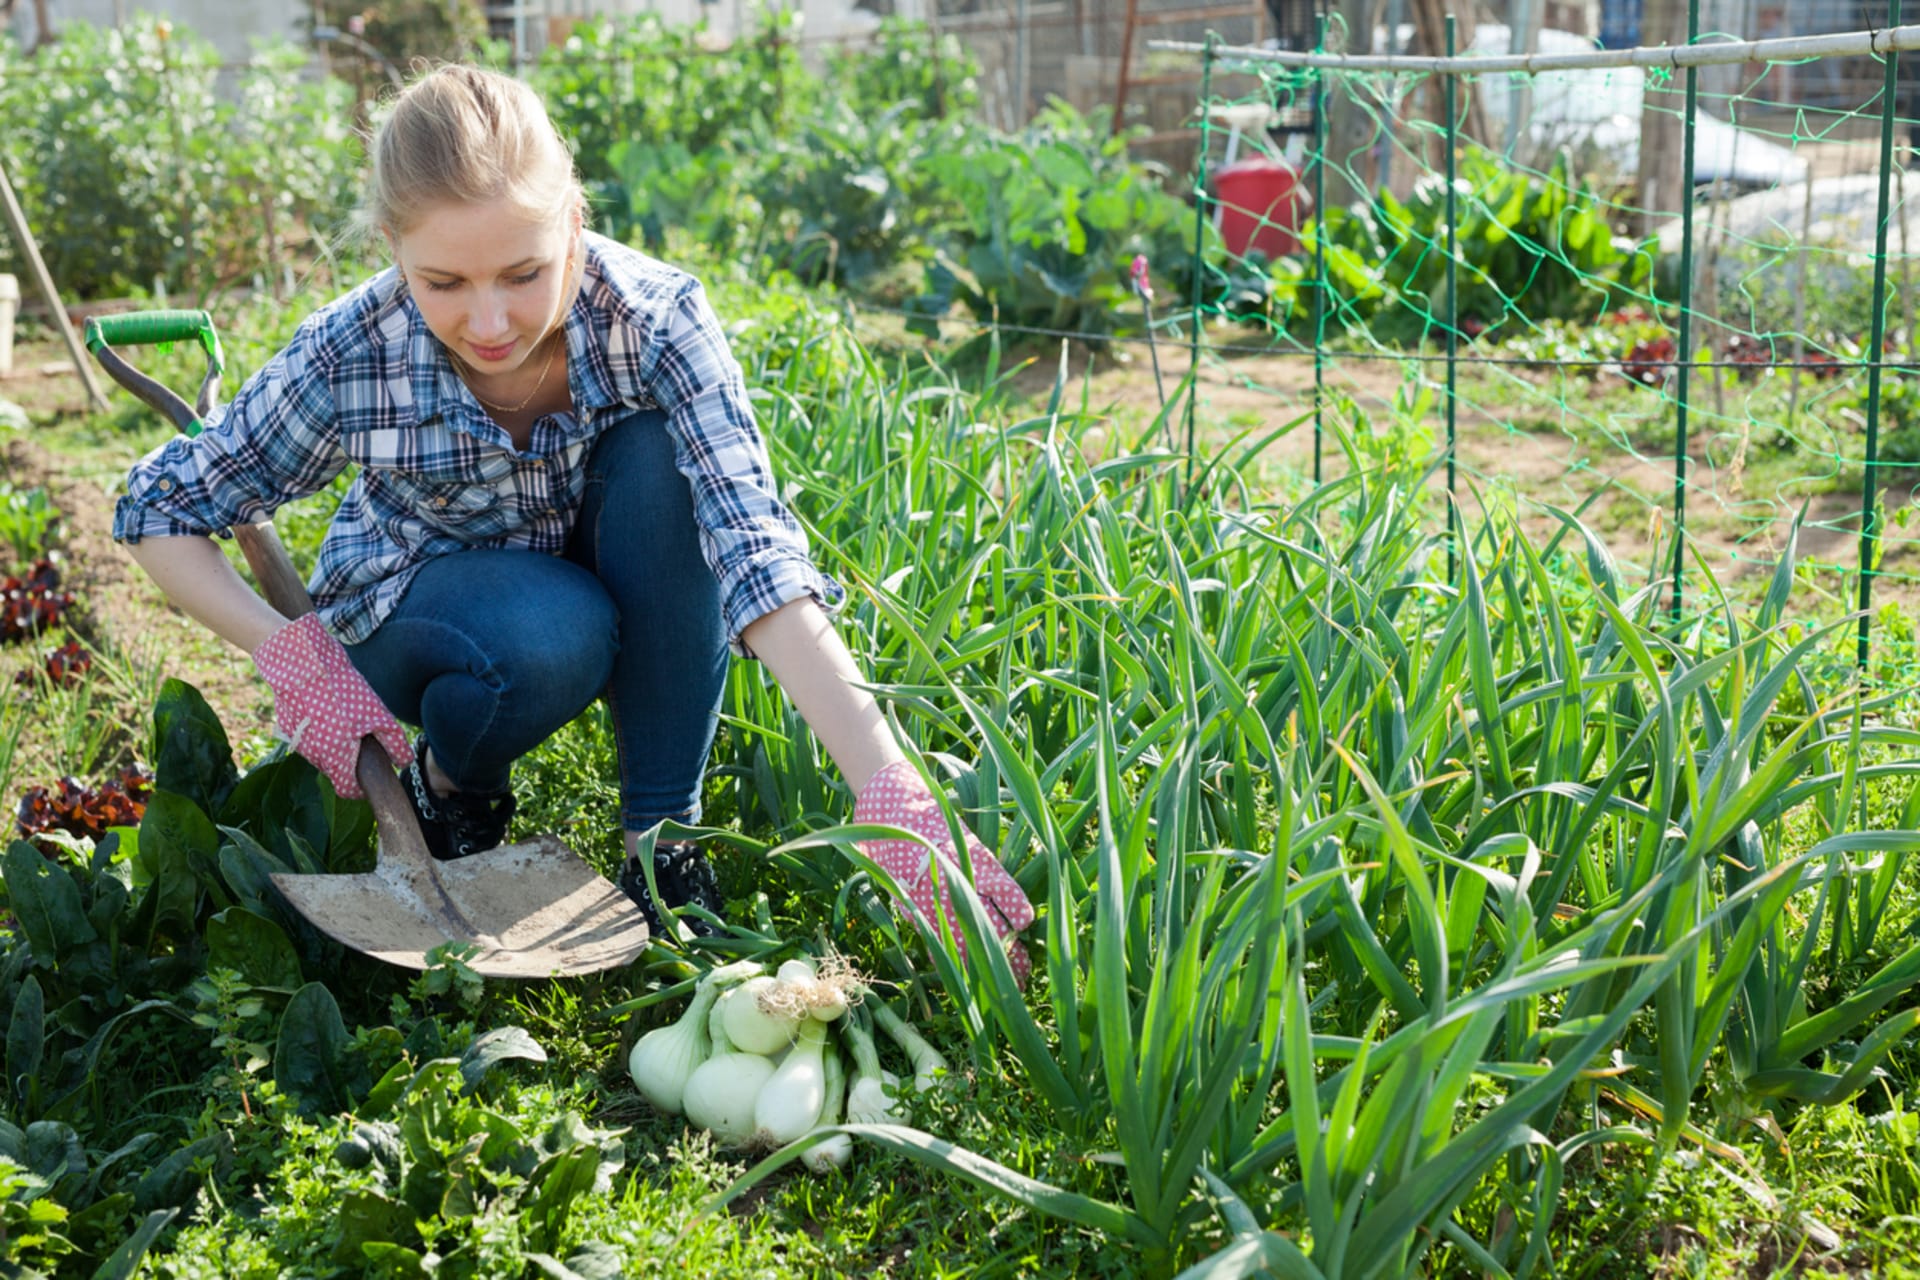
323, 705
898, 797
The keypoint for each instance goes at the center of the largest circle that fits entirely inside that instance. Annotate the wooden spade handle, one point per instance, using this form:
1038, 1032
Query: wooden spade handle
400, 838
402, 846
273, 569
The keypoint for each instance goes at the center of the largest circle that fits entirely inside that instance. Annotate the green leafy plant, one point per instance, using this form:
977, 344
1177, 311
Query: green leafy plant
642, 79
658, 187
237, 1017
1899, 416
1276, 295
27, 519
852, 195
1530, 246
440, 1163
29, 1224
109, 931
906, 62
1050, 220
831, 188
57, 1210
448, 975
138, 171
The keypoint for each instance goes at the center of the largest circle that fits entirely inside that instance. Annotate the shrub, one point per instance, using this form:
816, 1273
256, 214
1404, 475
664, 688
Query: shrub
133, 166
907, 62
1048, 221
1530, 246
642, 81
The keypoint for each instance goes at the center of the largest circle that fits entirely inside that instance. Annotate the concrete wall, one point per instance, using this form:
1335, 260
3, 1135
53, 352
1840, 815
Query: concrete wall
230, 26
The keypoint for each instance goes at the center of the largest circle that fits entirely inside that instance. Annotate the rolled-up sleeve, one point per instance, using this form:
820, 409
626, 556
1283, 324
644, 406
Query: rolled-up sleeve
277, 441
756, 548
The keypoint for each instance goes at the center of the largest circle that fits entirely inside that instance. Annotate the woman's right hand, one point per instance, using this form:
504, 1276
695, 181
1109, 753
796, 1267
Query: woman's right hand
323, 705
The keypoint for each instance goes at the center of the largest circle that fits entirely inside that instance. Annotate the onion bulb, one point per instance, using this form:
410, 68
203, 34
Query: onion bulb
751, 1024
872, 1100
793, 1097
663, 1058
835, 1151
798, 969
837, 988
830, 1002
720, 1095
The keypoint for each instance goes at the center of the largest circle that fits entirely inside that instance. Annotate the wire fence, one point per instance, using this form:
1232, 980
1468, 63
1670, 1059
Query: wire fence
1740, 360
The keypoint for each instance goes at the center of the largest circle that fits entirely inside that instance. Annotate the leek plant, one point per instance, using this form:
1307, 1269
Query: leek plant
14, 717
1330, 845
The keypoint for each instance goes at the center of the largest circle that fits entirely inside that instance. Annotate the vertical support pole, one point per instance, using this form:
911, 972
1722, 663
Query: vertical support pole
1383, 154
1199, 246
1451, 91
1320, 301
1683, 375
43, 280
1127, 31
1022, 62
1876, 341
1523, 25
1802, 273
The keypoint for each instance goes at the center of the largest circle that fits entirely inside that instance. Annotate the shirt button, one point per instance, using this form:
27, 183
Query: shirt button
165, 485
440, 501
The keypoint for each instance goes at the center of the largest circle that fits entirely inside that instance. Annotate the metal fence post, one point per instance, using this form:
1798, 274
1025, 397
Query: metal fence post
1683, 375
1320, 302
1453, 303
1876, 342
1199, 246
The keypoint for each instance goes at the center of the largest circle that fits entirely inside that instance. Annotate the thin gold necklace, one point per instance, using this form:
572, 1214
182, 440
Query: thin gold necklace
469, 372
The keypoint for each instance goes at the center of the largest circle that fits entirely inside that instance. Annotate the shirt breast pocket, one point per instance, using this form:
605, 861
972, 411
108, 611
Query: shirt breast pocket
460, 504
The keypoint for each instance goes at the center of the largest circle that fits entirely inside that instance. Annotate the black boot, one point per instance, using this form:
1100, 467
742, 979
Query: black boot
459, 825
684, 877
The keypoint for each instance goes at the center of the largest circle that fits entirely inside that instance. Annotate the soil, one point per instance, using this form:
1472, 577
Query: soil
121, 615
1512, 449
43, 380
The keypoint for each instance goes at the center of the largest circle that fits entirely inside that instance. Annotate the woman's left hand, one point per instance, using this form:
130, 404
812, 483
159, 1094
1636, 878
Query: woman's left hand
897, 796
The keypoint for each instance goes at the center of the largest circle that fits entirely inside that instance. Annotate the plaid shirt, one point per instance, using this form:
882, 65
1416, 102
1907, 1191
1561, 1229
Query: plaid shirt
364, 383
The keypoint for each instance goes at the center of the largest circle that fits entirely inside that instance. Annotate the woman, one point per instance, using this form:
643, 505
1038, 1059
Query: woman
562, 495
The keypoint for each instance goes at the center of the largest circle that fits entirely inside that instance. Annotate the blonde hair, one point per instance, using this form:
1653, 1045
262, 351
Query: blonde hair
464, 135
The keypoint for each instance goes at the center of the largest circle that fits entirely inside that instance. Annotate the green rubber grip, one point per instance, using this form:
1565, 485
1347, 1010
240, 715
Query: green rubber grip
145, 328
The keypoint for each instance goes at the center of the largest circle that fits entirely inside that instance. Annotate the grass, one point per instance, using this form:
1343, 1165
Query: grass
1424, 924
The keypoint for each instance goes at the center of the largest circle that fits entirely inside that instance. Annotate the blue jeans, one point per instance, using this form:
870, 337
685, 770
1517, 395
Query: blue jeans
491, 651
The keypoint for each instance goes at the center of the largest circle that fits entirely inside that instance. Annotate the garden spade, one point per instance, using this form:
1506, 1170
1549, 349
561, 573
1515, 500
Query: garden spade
532, 909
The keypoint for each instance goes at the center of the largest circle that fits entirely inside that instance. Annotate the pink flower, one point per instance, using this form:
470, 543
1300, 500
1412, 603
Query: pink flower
1141, 283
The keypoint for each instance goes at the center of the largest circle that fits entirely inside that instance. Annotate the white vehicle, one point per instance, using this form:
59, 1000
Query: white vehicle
1596, 114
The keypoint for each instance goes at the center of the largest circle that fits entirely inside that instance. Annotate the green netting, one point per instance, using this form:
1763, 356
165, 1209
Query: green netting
1592, 335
